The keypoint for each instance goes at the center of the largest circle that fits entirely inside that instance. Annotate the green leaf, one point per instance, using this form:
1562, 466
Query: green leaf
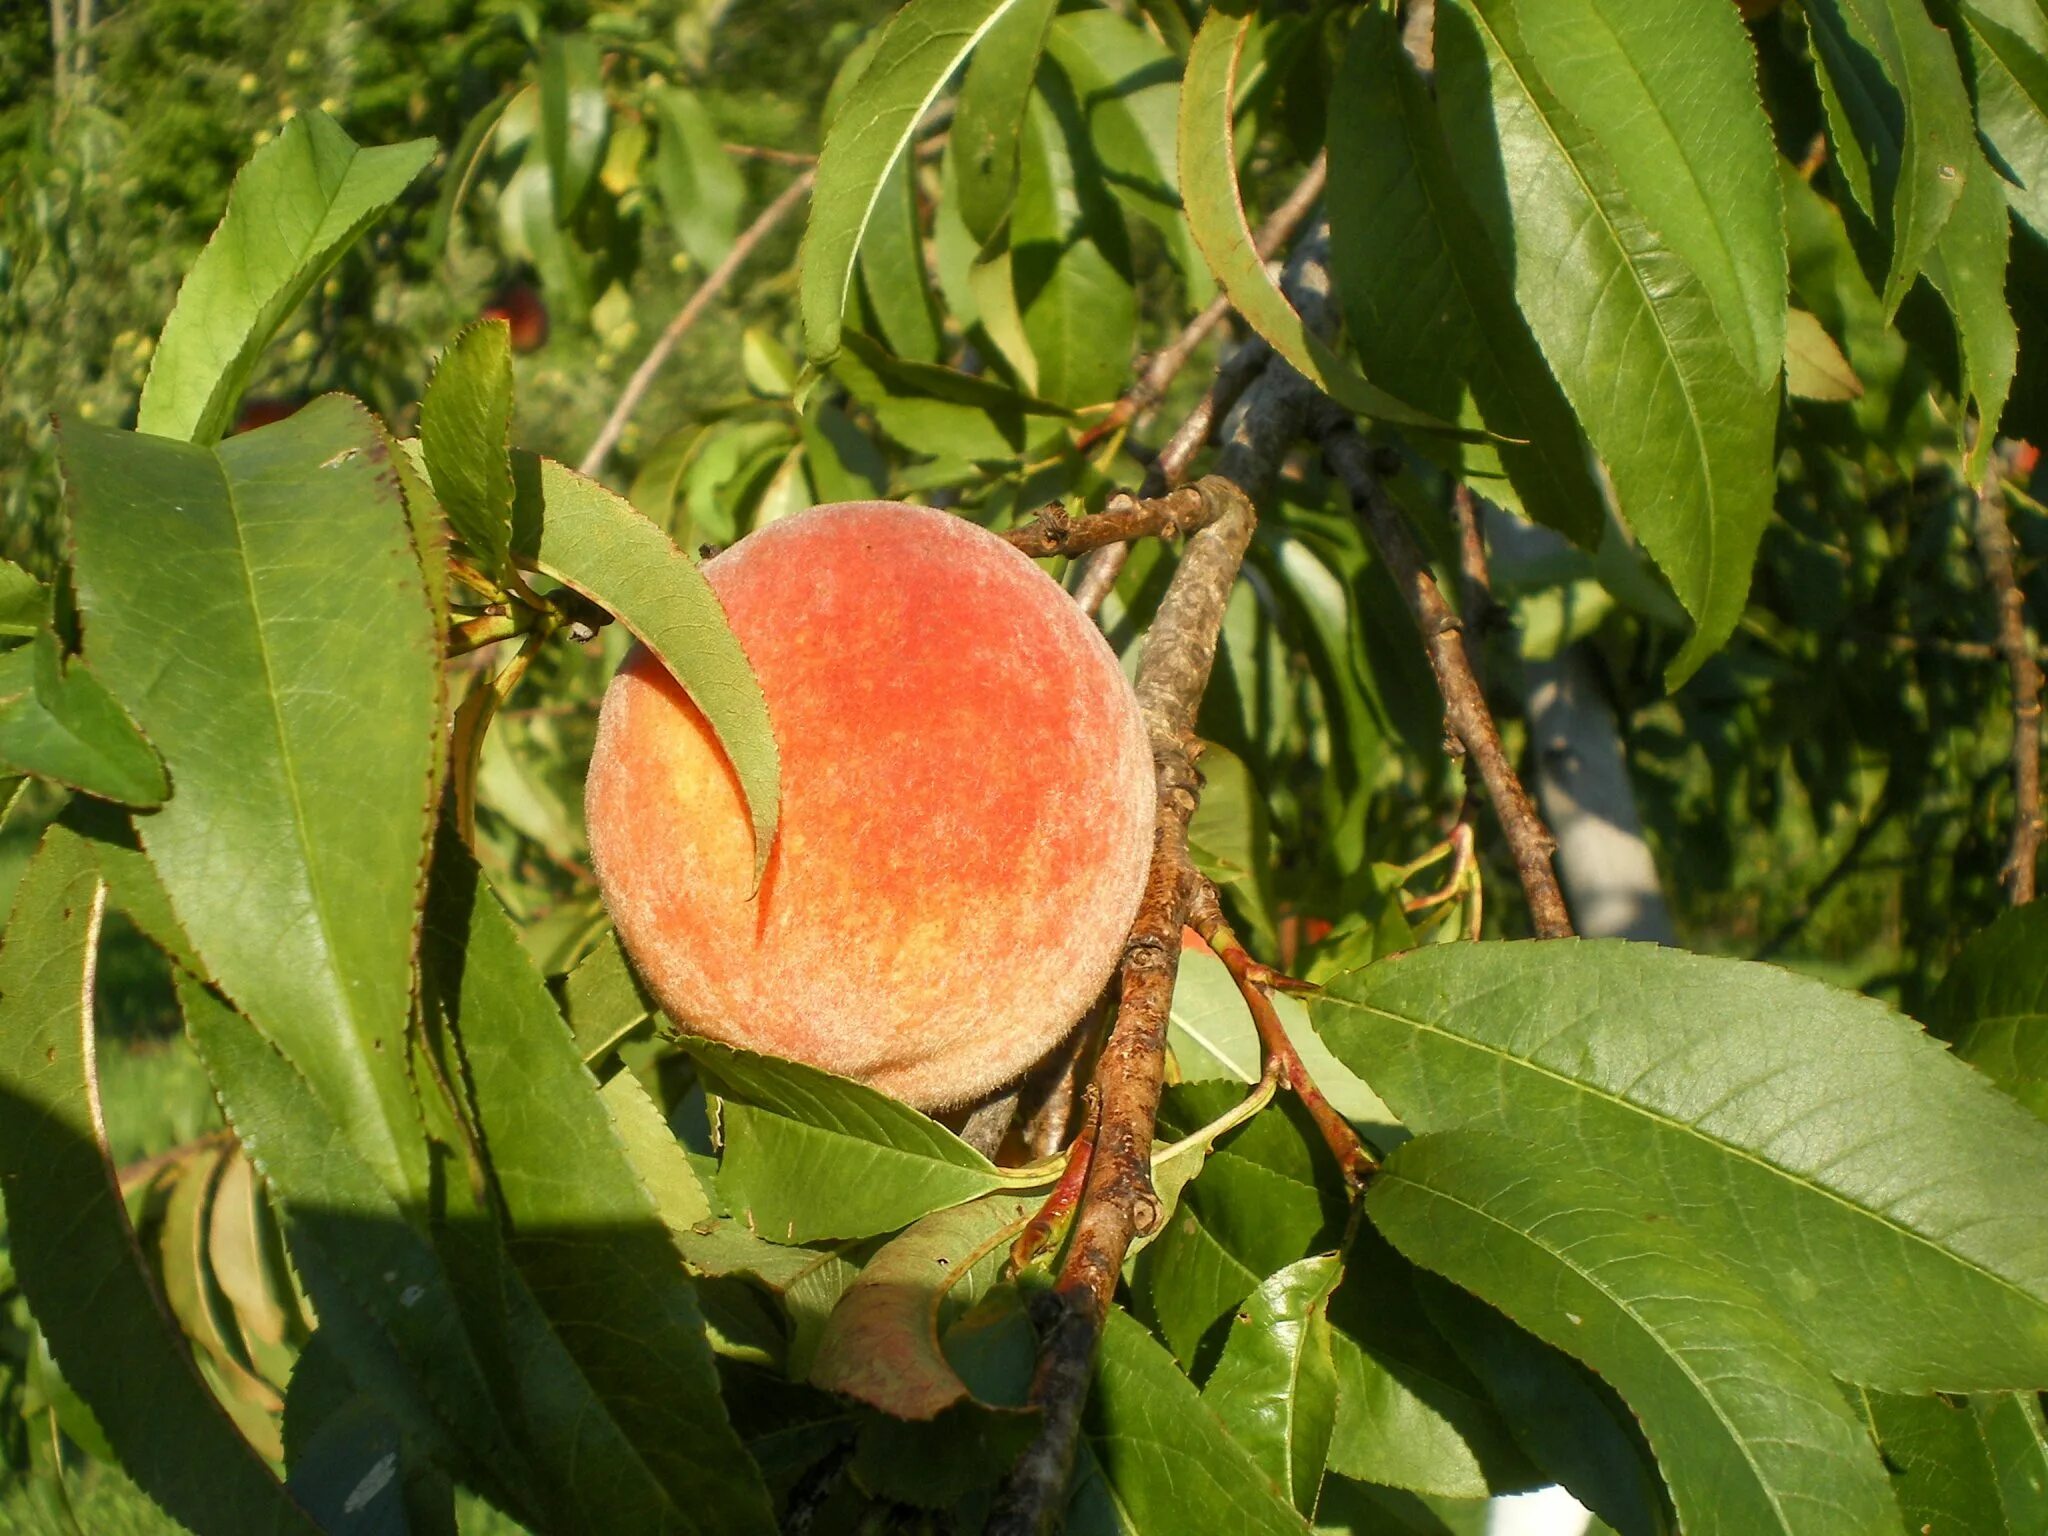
1814, 366
1127, 86
1410, 1414
286, 666
1967, 267
385, 1303
296, 206
1267, 1196
1666, 340
1275, 1389
69, 1238
925, 42
1750, 1430
1170, 1466
2016, 1434
1888, 1203
988, 119
58, 721
592, 539
809, 1155
701, 190
1941, 1467
881, 1344
465, 437
603, 1000
1209, 1029
894, 283
585, 1235
2006, 55
1900, 122
1070, 258
1992, 1006
1431, 309
574, 117
24, 601
1215, 214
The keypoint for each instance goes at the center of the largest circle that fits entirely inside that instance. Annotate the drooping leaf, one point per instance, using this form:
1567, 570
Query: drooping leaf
384, 1300
585, 1235
465, 437
1431, 308
1216, 215
574, 117
1275, 1389
282, 657
592, 539
988, 121
1941, 1467
701, 189
1170, 1465
881, 1344
925, 42
1900, 122
1876, 1192
1127, 86
2006, 56
69, 1238
1749, 1428
1070, 257
1676, 392
895, 287
296, 206
58, 721
1967, 267
1992, 1005
810, 1156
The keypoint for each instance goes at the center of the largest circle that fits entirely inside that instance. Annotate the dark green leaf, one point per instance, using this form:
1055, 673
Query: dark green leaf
988, 120
1882, 1197
809, 1155
574, 116
894, 283
603, 1000
1666, 337
1967, 267
924, 44
1275, 1389
1900, 120
295, 208
285, 664
58, 721
1993, 1005
1941, 1468
465, 437
69, 1238
1749, 1428
2007, 58
2016, 1434
590, 1248
1170, 1466
1215, 212
701, 189
591, 539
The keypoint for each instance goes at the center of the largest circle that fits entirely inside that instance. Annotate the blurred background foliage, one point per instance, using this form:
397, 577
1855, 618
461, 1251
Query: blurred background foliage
1830, 792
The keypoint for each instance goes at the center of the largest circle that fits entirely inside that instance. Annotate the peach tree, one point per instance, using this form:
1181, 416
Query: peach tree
1706, 337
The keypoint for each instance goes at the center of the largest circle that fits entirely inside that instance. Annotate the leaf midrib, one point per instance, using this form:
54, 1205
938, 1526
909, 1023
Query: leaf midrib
1684, 1368
1636, 278
1656, 1117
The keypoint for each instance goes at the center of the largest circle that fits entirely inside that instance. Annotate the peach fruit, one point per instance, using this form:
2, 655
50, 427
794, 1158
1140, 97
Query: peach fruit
966, 821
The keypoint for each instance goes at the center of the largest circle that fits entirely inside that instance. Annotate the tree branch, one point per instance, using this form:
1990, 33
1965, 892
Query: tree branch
1465, 710
692, 311
1119, 1203
1995, 550
1189, 509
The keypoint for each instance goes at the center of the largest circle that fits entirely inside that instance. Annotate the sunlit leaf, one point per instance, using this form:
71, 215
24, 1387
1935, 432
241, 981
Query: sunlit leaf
1275, 1389
574, 117
701, 189
465, 436
988, 122
297, 205
58, 721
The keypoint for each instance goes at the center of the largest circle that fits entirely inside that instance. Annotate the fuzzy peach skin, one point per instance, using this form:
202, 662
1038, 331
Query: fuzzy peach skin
967, 809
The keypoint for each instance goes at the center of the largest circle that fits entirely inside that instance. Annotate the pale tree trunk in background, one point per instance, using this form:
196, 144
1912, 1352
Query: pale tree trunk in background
1610, 880
60, 48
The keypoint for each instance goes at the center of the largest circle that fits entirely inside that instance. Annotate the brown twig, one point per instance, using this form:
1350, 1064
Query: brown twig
1188, 509
773, 156
1066, 1194
1167, 363
1119, 1203
1353, 1157
1465, 710
693, 310
1995, 550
